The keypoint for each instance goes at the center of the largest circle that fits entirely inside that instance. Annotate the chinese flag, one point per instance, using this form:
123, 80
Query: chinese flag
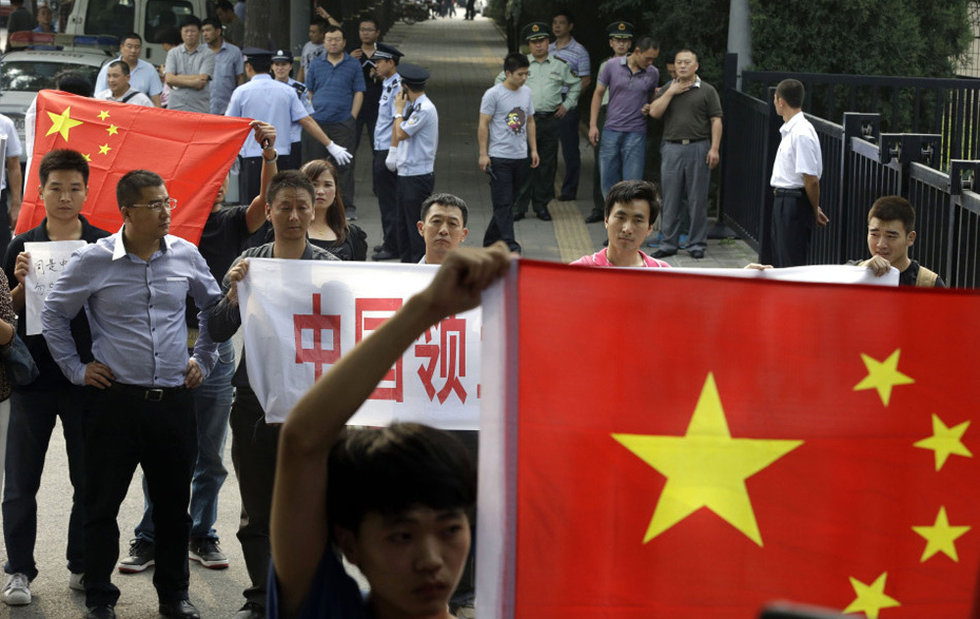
192, 152
676, 445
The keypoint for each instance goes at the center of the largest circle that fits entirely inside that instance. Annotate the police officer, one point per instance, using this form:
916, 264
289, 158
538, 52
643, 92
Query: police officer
549, 74
385, 61
282, 69
414, 139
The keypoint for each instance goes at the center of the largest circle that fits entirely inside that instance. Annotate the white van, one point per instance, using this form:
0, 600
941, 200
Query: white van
149, 18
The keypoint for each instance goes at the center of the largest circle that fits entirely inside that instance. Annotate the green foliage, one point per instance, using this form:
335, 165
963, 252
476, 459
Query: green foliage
863, 37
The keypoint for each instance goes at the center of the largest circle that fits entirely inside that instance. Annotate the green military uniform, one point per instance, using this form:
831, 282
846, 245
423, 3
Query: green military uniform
545, 79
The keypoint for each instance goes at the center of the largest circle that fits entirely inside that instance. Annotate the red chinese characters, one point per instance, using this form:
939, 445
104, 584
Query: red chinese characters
318, 324
450, 354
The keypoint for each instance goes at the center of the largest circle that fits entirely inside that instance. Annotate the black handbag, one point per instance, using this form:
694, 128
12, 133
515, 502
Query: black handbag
21, 369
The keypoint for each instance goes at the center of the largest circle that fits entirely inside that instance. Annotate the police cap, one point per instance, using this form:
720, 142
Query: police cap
413, 75
383, 51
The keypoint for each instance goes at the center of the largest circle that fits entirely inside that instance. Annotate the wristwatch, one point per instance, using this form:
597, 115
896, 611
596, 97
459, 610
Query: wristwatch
275, 155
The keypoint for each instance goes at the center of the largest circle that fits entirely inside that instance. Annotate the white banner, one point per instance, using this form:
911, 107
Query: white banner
300, 316
48, 260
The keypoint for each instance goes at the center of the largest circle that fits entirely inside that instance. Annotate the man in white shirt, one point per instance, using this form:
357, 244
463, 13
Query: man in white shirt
117, 77
795, 179
143, 76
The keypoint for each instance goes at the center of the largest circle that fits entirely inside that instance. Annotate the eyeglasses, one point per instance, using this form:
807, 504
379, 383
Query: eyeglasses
158, 206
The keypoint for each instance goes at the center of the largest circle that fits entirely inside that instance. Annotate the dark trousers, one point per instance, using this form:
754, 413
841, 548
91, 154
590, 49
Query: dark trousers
249, 178
792, 225
412, 191
598, 200
508, 175
568, 134
292, 161
385, 187
5, 235
538, 187
122, 430
343, 133
254, 445
32, 418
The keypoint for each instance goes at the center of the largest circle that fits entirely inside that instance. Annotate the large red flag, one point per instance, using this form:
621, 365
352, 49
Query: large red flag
192, 152
673, 445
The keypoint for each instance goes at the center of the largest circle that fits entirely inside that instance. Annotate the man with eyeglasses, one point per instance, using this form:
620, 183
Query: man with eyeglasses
134, 286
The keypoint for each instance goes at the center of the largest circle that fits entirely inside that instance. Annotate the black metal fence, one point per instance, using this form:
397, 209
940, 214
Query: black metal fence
860, 163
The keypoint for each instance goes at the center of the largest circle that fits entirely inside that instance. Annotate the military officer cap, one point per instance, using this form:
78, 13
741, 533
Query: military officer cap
258, 54
413, 75
537, 30
282, 55
383, 51
620, 30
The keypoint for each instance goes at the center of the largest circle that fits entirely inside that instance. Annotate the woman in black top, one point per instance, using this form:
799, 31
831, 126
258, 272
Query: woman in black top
330, 229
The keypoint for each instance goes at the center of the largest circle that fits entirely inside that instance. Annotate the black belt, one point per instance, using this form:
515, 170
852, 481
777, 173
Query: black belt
694, 141
150, 394
543, 114
796, 193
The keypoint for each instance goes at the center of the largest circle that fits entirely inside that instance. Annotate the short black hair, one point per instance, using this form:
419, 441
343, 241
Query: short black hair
792, 92
73, 82
62, 159
393, 469
445, 199
213, 22
224, 5
289, 179
892, 208
624, 192
514, 61
260, 64
371, 19
130, 35
191, 20
320, 23
122, 64
645, 43
129, 189
566, 13
168, 34
331, 28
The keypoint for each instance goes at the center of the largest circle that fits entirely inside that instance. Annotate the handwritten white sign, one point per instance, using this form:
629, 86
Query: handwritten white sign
48, 260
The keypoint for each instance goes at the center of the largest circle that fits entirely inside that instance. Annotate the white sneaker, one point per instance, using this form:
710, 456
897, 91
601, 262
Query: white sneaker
18, 590
76, 582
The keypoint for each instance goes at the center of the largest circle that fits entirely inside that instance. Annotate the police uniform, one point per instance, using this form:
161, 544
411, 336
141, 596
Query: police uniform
294, 159
385, 181
546, 80
416, 163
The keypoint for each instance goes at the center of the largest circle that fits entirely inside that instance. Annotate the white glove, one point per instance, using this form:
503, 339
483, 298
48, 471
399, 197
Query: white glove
391, 161
339, 154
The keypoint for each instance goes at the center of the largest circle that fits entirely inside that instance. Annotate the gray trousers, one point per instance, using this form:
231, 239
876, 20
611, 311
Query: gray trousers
684, 172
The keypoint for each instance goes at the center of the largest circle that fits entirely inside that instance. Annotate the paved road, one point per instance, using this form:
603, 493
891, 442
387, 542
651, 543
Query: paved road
464, 57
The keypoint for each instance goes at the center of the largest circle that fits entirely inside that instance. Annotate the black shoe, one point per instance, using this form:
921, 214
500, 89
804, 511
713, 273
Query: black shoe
105, 611
518, 216
664, 253
697, 254
384, 254
566, 198
378, 248
351, 213
251, 610
544, 215
181, 609
593, 217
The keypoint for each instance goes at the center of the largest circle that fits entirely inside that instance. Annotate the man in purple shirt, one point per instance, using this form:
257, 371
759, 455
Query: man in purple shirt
631, 81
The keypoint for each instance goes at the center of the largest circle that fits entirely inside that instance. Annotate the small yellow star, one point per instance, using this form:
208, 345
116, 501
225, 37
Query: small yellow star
87, 157
62, 123
103, 115
104, 149
945, 441
940, 537
883, 375
706, 467
112, 129
870, 598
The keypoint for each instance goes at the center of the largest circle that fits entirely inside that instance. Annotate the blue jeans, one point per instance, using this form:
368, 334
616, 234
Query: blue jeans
32, 419
622, 157
212, 404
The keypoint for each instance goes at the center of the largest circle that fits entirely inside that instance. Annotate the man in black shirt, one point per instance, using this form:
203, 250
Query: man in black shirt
891, 232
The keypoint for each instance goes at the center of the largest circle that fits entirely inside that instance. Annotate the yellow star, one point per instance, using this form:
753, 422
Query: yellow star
883, 375
104, 149
940, 537
112, 129
945, 441
61, 123
103, 115
706, 467
870, 598
87, 157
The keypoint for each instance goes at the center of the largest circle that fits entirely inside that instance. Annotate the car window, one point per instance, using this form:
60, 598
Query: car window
35, 75
113, 17
162, 16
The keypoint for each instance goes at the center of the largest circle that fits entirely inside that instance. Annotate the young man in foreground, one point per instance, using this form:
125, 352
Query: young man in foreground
398, 498
891, 231
631, 209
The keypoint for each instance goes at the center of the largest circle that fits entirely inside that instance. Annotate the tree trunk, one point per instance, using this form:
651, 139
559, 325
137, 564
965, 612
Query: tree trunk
267, 24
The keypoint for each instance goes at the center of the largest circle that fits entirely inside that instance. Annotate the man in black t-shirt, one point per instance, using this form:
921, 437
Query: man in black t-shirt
891, 232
